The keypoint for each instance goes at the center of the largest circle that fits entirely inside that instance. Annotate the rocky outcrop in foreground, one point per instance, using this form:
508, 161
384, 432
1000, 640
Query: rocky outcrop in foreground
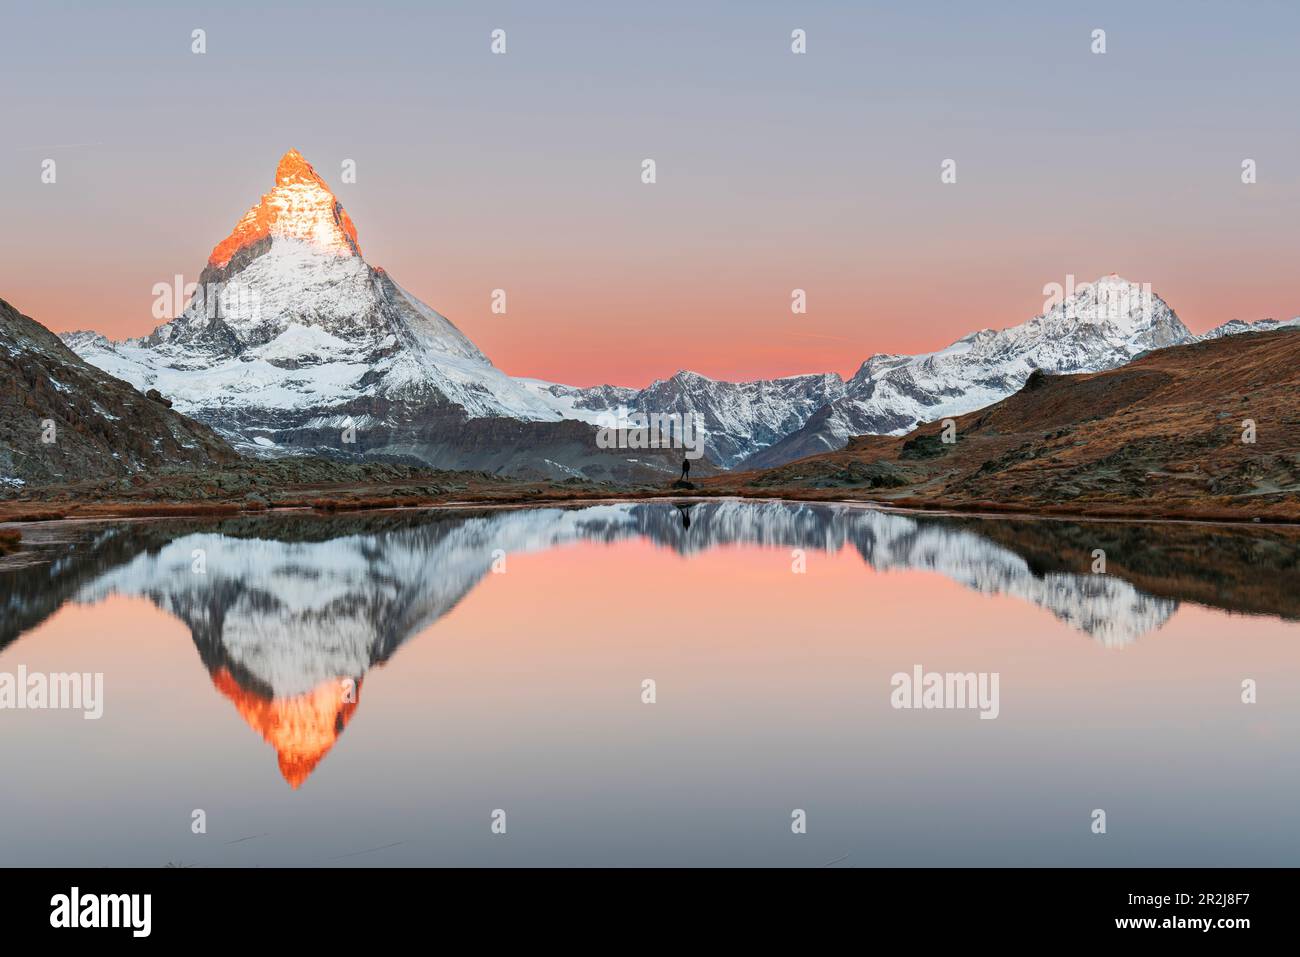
62, 419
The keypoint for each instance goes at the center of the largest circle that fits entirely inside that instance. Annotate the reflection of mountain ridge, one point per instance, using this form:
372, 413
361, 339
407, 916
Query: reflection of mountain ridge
286, 615
1107, 608
401, 571
289, 605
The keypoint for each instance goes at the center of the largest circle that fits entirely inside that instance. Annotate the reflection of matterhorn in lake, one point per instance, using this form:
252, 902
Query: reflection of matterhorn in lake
289, 615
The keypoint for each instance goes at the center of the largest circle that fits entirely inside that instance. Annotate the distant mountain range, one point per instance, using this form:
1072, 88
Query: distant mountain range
752, 425
739, 417
1238, 326
292, 340
1204, 429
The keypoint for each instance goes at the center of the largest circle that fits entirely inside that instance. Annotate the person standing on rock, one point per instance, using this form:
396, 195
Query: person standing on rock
686, 468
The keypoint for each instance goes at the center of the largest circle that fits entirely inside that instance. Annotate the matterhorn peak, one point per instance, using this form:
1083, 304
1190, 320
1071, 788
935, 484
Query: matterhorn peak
294, 168
300, 207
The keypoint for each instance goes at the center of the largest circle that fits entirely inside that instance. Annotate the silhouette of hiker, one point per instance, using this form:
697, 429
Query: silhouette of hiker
685, 512
686, 468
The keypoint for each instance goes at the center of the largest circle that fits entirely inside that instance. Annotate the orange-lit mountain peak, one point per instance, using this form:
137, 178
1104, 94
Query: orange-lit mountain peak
300, 207
294, 168
302, 729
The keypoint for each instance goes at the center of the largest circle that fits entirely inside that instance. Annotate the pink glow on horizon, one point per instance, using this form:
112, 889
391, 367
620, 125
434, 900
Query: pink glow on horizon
754, 336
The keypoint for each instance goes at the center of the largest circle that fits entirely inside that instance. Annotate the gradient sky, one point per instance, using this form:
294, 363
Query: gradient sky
776, 171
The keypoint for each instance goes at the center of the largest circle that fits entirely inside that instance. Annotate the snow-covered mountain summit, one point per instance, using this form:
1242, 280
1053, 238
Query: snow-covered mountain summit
772, 421
289, 327
1104, 324
290, 341
300, 207
1099, 326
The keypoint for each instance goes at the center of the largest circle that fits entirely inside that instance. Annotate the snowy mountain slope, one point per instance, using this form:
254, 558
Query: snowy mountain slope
738, 417
298, 331
291, 339
583, 404
764, 423
288, 318
1237, 326
288, 615
1102, 326
770, 422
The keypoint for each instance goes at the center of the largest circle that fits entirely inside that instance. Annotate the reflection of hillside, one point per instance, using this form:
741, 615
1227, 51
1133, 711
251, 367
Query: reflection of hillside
1105, 607
289, 605
58, 559
1250, 571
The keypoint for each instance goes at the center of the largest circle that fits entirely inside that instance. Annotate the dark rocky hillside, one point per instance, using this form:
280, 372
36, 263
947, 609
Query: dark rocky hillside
99, 426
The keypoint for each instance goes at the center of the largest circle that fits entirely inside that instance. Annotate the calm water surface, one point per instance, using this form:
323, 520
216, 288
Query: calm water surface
369, 689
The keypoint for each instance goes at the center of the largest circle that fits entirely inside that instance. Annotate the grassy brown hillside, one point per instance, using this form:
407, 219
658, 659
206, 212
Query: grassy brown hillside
62, 419
1162, 436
